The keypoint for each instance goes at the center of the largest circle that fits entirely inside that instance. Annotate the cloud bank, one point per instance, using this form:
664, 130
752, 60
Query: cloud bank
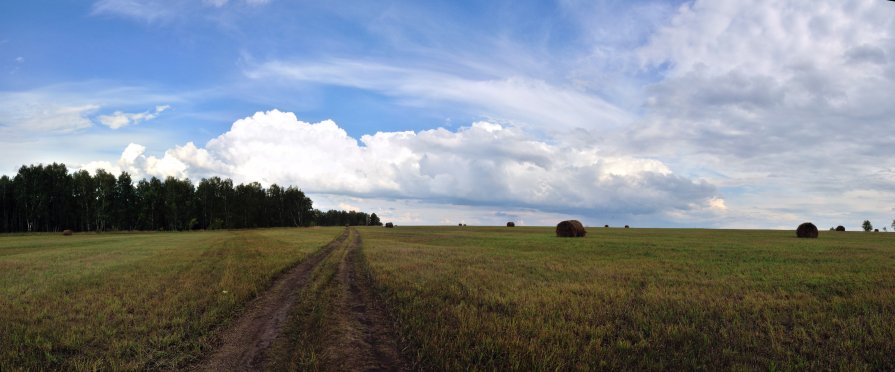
484, 164
782, 105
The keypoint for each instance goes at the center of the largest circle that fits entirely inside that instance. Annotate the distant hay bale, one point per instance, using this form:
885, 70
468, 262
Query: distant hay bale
570, 229
511, 224
840, 228
605, 225
627, 227
389, 225
67, 232
807, 230
460, 224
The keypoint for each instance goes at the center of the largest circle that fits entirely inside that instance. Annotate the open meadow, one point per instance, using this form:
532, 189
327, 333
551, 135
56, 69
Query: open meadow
634, 299
133, 300
450, 298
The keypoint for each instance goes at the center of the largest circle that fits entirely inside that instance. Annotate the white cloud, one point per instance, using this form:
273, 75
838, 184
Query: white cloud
159, 10
484, 165
783, 105
120, 119
148, 10
222, 3
36, 113
175, 162
215, 3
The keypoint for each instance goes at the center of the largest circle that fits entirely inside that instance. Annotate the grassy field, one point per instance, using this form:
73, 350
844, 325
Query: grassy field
633, 299
133, 301
464, 298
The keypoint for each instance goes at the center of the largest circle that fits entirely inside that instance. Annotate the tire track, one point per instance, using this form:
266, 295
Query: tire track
365, 339
246, 342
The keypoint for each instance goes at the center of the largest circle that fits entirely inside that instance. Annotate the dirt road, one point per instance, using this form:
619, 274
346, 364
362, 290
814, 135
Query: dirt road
360, 336
364, 339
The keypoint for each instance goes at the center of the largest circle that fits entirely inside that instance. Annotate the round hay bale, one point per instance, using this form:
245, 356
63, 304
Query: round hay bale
807, 230
67, 232
605, 225
389, 225
627, 227
511, 224
840, 228
570, 229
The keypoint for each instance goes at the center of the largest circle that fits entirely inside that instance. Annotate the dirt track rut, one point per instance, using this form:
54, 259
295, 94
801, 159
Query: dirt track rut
361, 338
364, 340
247, 340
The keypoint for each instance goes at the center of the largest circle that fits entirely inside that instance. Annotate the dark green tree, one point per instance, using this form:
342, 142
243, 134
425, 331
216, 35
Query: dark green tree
374, 220
84, 200
105, 200
299, 208
178, 202
867, 226
30, 195
57, 185
125, 202
48, 198
7, 205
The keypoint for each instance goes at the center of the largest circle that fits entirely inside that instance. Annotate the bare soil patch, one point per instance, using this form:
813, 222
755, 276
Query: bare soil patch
365, 339
245, 343
357, 335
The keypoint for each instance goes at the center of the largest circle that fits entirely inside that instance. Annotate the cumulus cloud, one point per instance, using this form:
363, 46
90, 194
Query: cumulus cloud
175, 162
120, 119
483, 164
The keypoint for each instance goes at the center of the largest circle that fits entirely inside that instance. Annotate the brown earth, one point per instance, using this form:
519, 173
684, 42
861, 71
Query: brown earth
362, 337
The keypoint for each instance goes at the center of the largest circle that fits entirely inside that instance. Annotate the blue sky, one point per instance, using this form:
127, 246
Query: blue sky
649, 113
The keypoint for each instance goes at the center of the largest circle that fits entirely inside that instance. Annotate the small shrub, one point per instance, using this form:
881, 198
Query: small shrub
840, 228
389, 225
511, 224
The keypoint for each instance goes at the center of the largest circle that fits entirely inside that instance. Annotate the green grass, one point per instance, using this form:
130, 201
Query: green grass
133, 301
633, 299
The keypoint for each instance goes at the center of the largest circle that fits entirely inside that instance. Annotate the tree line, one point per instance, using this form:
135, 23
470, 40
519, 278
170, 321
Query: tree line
49, 198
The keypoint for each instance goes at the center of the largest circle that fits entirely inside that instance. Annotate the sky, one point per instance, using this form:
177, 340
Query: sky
712, 114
